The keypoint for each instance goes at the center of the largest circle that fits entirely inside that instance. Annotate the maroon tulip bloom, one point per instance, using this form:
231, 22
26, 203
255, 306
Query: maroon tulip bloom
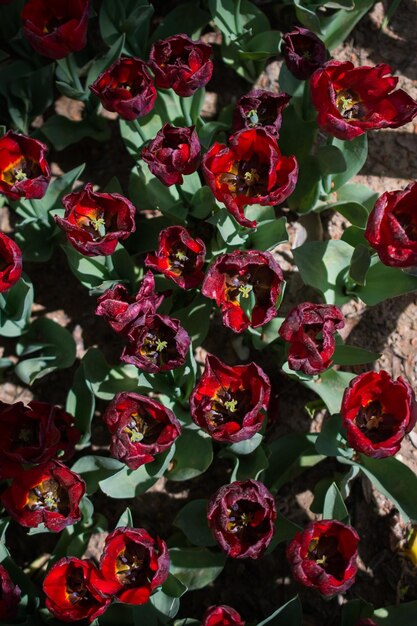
55, 28
228, 402
141, 427
70, 592
241, 280
48, 494
392, 227
250, 171
222, 616
241, 517
310, 330
377, 413
121, 311
9, 596
303, 52
95, 222
126, 87
10, 263
324, 556
260, 109
132, 565
352, 100
179, 257
160, 344
173, 152
24, 170
181, 64
34, 434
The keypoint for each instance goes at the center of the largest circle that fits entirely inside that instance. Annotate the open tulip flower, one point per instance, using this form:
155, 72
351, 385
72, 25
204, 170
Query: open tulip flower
228, 401
304, 52
260, 109
10, 263
251, 170
352, 100
323, 556
377, 413
246, 285
24, 170
222, 615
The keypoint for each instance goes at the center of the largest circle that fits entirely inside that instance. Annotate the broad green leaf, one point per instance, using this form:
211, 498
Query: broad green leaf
193, 455
62, 132
269, 234
290, 456
247, 465
355, 153
331, 159
192, 520
125, 519
330, 386
191, 17
147, 192
383, 282
353, 192
359, 265
290, 614
351, 355
93, 469
329, 439
336, 28
196, 567
334, 506
354, 610
15, 308
355, 212
404, 614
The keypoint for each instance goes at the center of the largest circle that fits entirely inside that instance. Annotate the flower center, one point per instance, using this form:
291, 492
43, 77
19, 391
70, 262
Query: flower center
92, 221
19, 170
181, 260
252, 117
75, 587
156, 345
349, 105
408, 222
249, 178
375, 423
325, 552
229, 406
49, 496
132, 565
143, 427
245, 519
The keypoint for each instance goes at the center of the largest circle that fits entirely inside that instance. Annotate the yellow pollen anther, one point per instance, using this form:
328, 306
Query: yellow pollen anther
245, 290
97, 223
161, 345
346, 103
251, 177
231, 405
135, 436
180, 255
20, 175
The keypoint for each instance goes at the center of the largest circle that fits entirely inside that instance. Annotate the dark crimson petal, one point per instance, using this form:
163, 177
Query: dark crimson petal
94, 222
310, 330
250, 171
260, 109
181, 64
55, 28
323, 556
173, 152
9, 596
351, 101
377, 413
179, 257
24, 170
141, 427
10, 263
235, 277
222, 615
304, 52
241, 517
70, 592
227, 403
127, 88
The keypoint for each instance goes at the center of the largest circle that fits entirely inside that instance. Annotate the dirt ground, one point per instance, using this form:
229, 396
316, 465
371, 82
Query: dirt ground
385, 577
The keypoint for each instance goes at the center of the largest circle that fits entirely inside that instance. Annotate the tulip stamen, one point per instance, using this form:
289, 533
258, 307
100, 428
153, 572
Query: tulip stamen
245, 290
161, 345
231, 405
20, 175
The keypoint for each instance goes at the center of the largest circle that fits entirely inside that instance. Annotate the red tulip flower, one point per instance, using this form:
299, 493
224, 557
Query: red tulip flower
10, 263
55, 28
352, 100
94, 222
126, 88
241, 517
260, 109
70, 592
246, 285
140, 427
250, 171
179, 257
9, 596
323, 556
303, 52
228, 402
24, 170
377, 413
181, 64
222, 616
310, 330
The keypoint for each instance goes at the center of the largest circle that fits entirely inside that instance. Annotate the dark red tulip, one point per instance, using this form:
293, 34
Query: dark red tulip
157, 345
10, 263
260, 109
250, 171
392, 227
241, 517
70, 593
303, 52
310, 330
132, 565
352, 100
140, 427
35, 433
173, 152
377, 413
179, 257
246, 285
121, 311
181, 64
24, 170
222, 615
228, 402
48, 494
55, 28
126, 88
94, 222
323, 556
9, 596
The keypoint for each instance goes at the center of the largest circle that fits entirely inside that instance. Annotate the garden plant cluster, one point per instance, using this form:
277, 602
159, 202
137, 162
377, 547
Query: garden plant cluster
183, 258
